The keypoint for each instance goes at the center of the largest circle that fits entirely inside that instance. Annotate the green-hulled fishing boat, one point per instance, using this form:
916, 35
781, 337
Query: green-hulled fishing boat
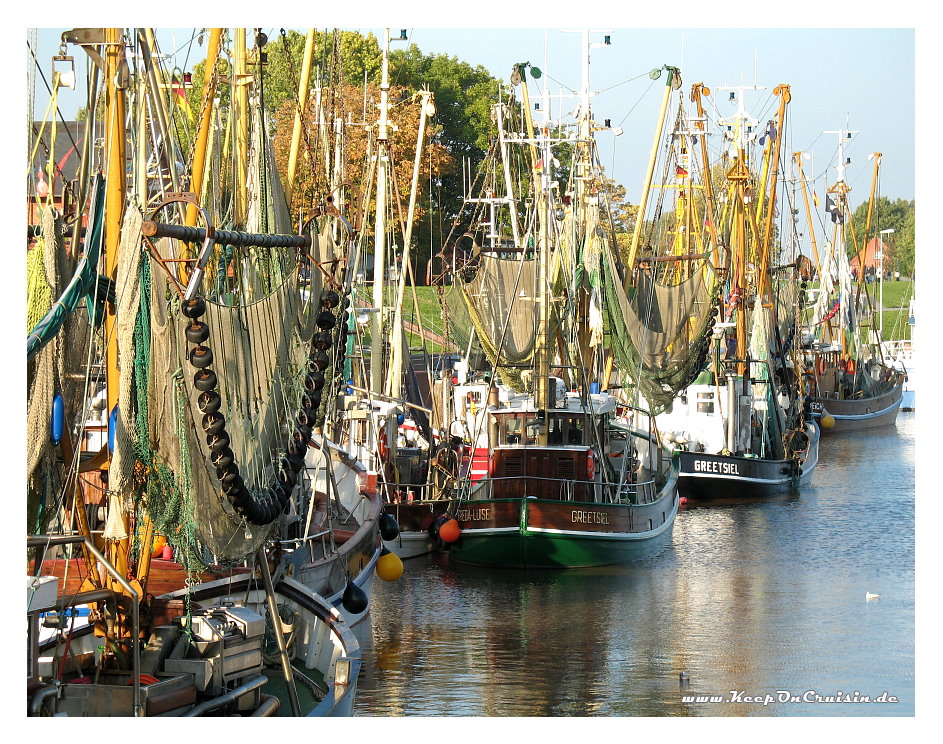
557, 471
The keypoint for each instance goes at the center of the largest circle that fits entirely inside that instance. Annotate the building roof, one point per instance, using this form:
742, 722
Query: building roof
874, 246
67, 152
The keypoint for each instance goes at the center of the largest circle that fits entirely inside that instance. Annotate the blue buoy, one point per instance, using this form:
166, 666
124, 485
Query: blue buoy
58, 418
594, 388
400, 418
112, 425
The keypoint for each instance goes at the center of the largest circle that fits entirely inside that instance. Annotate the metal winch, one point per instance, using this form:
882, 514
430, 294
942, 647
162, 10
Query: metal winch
225, 650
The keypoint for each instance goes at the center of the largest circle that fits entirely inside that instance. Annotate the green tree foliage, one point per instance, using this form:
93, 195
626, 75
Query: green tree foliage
898, 214
464, 95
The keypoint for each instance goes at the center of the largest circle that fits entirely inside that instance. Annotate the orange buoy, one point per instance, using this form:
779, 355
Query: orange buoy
850, 367
450, 531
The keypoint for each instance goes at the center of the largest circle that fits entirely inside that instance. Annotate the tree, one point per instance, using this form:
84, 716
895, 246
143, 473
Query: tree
898, 215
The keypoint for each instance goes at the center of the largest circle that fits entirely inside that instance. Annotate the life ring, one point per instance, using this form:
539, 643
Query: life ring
850, 367
820, 365
383, 449
590, 465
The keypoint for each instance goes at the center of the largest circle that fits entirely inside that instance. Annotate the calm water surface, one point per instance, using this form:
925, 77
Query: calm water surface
757, 599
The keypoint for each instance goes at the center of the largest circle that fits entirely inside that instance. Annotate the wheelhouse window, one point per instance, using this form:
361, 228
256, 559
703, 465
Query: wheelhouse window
561, 430
705, 402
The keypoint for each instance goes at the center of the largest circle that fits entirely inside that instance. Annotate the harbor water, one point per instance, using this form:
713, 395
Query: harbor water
758, 609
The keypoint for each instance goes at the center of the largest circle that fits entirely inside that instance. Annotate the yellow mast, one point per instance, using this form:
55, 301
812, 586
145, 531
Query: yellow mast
115, 164
672, 83
797, 157
240, 118
206, 112
763, 285
863, 253
299, 112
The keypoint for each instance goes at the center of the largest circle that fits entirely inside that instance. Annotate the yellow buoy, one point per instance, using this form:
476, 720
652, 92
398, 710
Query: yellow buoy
827, 421
389, 566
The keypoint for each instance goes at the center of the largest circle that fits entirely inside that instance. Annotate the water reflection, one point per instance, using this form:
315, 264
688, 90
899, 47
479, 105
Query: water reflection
754, 598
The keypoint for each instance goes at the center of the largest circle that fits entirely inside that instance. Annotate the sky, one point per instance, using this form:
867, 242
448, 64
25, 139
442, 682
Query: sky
857, 79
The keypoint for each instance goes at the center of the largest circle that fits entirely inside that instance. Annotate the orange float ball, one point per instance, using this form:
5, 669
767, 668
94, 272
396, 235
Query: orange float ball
450, 531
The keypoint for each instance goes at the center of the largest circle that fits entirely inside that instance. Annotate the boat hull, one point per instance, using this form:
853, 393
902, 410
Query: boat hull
414, 520
536, 533
860, 414
715, 477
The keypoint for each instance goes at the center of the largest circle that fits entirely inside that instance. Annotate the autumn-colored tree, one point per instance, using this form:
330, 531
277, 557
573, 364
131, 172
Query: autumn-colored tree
317, 158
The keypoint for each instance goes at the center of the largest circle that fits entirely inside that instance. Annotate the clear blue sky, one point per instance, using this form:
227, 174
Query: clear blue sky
852, 78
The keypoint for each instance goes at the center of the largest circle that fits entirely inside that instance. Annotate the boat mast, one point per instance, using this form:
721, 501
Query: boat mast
394, 379
241, 82
841, 190
116, 160
670, 84
763, 285
582, 173
739, 177
379, 245
206, 111
797, 157
542, 345
299, 113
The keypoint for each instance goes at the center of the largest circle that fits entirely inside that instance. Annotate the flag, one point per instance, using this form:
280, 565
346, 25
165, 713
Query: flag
181, 98
831, 313
834, 210
682, 171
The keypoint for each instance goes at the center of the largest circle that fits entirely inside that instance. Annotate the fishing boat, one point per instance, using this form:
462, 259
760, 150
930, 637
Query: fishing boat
852, 387
740, 428
556, 473
207, 538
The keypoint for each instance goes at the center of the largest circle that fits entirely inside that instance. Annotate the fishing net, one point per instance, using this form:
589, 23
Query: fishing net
261, 311
52, 369
660, 334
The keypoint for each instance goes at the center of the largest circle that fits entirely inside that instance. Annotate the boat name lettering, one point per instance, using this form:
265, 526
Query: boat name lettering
707, 466
472, 515
589, 516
